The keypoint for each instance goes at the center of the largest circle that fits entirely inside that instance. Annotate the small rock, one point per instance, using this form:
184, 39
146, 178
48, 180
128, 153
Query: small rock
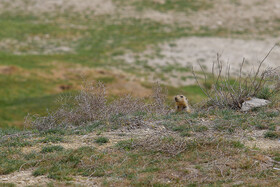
238, 183
219, 22
253, 103
63, 49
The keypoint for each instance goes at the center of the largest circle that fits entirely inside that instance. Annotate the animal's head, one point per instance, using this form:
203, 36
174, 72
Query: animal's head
180, 99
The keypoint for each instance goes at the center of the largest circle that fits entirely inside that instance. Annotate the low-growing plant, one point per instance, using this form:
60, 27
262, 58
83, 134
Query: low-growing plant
39, 171
50, 149
52, 139
101, 140
16, 142
237, 144
272, 135
125, 144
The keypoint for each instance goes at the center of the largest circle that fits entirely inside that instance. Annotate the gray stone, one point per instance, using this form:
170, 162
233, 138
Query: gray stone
253, 103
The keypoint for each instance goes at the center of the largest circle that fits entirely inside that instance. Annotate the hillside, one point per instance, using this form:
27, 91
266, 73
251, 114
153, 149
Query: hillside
54, 54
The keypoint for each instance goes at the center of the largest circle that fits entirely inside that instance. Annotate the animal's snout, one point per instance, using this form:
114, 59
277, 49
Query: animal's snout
176, 99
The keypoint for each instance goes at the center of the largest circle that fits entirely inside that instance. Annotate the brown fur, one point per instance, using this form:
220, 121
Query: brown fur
182, 104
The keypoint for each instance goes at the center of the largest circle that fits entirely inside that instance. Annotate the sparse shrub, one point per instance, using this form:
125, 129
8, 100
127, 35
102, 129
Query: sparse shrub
101, 140
229, 92
90, 105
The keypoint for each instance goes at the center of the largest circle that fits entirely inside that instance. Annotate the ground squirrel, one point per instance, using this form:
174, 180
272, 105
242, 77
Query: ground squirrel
182, 104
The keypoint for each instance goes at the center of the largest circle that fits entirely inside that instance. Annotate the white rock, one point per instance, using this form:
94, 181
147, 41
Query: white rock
238, 183
253, 103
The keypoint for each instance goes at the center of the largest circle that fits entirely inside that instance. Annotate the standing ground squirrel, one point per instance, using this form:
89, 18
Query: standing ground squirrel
182, 104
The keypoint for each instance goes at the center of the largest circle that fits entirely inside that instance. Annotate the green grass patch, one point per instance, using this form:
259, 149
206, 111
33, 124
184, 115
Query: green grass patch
106, 80
52, 139
101, 140
272, 135
7, 184
50, 149
192, 92
16, 142
167, 5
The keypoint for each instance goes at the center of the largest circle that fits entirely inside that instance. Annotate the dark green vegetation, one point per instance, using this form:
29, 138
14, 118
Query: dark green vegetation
101, 140
175, 5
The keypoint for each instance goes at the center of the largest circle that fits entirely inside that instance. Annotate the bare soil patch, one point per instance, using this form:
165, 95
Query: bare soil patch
8, 70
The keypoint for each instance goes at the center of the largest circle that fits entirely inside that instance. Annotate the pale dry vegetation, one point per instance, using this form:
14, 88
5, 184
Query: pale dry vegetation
91, 105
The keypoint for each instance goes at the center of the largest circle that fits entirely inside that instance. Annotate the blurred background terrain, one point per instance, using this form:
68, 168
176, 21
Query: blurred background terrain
48, 48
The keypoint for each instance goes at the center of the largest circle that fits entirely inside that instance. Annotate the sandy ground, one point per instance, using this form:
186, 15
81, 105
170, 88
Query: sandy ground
193, 50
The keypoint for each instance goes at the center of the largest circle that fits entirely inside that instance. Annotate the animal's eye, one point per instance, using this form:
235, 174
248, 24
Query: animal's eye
182, 96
